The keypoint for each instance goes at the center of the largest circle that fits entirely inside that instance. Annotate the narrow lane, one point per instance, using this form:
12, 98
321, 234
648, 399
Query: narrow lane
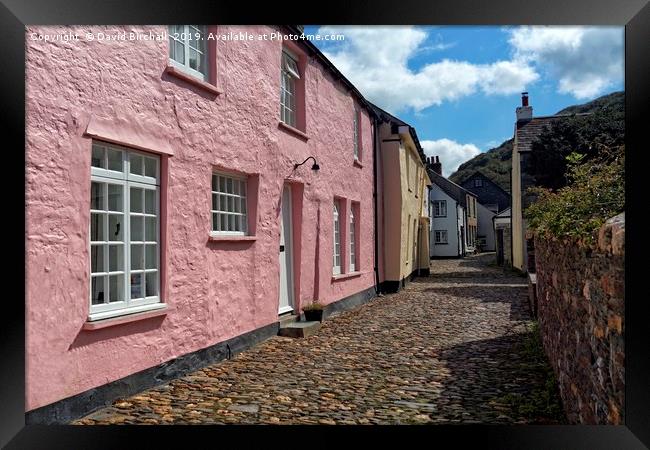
449, 348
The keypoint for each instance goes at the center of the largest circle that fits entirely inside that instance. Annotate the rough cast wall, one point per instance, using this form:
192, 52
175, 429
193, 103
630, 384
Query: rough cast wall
214, 290
580, 295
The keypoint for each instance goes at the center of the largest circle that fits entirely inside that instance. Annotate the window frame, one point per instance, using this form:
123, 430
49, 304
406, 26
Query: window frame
244, 199
336, 227
127, 181
439, 205
185, 67
440, 241
356, 124
288, 78
353, 245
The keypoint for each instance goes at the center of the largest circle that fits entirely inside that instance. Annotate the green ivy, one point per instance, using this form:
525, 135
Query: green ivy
595, 192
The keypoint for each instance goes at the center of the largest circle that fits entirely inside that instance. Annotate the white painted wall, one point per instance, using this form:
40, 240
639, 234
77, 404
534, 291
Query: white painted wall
449, 223
485, 226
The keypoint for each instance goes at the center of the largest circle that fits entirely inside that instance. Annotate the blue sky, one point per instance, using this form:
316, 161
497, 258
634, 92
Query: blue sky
459, 85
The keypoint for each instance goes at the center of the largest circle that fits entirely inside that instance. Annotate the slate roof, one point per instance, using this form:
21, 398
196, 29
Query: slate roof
451, 189
479, 174
504, 213
528, 130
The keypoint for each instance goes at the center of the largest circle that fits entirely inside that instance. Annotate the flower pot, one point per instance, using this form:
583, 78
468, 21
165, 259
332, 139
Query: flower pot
313, 315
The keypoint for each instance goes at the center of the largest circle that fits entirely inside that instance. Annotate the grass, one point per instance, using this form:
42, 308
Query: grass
543, 403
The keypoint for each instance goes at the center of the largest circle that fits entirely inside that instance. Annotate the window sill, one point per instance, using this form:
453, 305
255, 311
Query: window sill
358, 163
292, 130
155, 310
345, 276
173, 71
228, 238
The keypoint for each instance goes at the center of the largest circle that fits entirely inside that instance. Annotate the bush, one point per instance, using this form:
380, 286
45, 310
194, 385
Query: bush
596, 192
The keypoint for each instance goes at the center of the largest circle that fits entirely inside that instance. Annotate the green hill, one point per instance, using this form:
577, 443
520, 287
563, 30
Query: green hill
495, 163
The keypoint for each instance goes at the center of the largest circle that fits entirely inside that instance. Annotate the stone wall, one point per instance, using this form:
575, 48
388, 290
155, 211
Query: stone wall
580, 294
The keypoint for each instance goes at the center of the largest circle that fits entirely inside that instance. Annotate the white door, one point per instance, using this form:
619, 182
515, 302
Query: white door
286, 266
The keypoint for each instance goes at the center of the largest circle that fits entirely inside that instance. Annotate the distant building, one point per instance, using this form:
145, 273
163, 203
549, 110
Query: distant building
485, 230
503, 238
489, 194
452, 210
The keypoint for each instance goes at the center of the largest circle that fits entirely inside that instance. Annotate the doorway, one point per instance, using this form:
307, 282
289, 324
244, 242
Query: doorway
286, 252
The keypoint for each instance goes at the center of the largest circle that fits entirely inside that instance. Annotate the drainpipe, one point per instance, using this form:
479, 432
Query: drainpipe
375, 147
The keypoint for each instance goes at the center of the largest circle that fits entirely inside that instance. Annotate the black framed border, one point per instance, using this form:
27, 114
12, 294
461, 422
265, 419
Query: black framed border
633, 14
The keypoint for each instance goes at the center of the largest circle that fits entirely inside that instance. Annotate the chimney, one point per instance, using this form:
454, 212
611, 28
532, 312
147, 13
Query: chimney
524, 112
436, 166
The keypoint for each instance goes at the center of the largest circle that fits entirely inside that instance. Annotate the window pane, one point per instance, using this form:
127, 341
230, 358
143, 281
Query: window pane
97, 258
137, 228
115, 197
215, 202
136, 200
115, 226
137, 165
115, 258
114, 160
222, 184
223, 203
215, 183
136, 285
150, 201
224, 222
97, 231
97, 196
97, 294
194, 56
150, 167
243, 205
137, 257
97, 159
150, 228
230, 201
151, 257
231, 226
180, 52
116, 288
229, 186
152, 284
215, 222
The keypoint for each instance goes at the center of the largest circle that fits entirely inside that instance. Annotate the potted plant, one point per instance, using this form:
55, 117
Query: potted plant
313, 312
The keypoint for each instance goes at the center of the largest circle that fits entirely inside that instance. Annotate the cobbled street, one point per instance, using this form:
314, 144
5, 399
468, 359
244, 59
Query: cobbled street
446, 349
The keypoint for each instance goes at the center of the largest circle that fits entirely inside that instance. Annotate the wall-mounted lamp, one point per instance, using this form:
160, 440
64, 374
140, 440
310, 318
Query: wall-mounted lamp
315, 166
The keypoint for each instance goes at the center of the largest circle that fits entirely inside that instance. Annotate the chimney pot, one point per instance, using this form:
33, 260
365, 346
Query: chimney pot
524, 99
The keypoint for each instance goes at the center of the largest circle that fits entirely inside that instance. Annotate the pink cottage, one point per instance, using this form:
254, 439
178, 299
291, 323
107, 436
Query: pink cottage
168, 223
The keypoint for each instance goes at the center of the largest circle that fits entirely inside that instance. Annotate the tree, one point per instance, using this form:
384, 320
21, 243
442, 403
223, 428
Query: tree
604, 128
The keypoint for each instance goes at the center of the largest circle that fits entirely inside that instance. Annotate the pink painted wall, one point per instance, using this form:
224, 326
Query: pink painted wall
214, 290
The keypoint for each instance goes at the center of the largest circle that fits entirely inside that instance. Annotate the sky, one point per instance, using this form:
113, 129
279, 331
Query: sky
459, 85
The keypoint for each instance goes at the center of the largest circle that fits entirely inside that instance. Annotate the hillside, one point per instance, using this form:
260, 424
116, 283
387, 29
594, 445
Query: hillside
495, 163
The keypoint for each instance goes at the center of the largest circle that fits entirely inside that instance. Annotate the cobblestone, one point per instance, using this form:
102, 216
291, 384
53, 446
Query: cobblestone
443, 350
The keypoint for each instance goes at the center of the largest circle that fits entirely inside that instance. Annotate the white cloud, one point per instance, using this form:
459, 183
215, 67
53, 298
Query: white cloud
451, 153
375, 59
585, 60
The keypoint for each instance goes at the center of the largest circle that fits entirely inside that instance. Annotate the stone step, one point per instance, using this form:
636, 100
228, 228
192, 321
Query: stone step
299, 329
286, 319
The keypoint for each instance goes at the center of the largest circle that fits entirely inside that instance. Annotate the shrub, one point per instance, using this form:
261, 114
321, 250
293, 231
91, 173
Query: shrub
596, 192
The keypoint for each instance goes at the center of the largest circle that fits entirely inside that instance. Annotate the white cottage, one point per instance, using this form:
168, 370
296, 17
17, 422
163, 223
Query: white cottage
448, 215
